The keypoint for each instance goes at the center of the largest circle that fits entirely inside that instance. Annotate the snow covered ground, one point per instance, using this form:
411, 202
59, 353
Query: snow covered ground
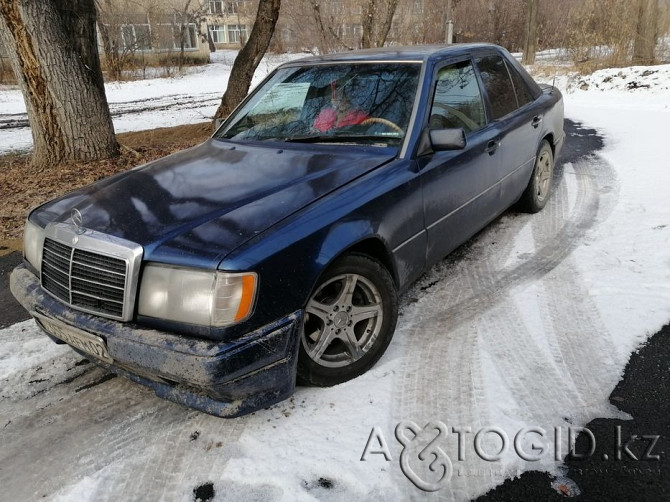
530, 325
145, 104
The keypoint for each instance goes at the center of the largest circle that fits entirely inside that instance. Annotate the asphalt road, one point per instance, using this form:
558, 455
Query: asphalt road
634, 467
10, 310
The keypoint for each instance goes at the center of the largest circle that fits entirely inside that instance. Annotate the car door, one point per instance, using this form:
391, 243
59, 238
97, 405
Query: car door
511, 108
460, 191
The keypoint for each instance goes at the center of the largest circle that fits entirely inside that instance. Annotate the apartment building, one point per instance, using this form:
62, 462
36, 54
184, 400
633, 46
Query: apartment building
229, 23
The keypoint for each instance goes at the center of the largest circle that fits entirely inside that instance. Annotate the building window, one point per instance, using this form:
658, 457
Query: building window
168, 36
240, 6
287, 35
237, 33
136, 37
352, 31
163, 36
218, 34
216, 6
189, 34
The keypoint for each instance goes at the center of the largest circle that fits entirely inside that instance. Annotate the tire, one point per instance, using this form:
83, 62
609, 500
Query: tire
535, 196
334, 346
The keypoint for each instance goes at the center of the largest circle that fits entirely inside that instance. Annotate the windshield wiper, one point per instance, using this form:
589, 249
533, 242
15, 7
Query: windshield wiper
348, 138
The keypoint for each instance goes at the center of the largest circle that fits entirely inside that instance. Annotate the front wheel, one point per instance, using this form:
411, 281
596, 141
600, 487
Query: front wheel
535, 196
349, 321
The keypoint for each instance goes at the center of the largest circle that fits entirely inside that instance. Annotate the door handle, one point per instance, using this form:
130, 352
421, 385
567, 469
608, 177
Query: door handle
536, 121
492, 146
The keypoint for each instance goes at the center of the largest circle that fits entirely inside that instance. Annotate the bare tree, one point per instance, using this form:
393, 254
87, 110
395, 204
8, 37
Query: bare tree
328, 20
369, 23
599, 32
385, 28
494, 22
321, 28
185, 17
530, 42
52, 47
119, 54
250, 56
645, 34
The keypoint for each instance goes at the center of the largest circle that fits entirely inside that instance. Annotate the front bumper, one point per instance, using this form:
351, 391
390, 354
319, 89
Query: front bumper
226, 379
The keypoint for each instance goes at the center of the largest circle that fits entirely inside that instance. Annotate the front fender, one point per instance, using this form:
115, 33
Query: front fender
385, 205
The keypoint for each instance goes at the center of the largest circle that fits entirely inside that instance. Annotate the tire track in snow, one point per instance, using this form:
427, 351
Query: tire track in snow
173, 102
472, 304
116, 437
580, 337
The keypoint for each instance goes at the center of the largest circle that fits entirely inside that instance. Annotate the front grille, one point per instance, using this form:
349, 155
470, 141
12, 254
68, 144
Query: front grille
90, 281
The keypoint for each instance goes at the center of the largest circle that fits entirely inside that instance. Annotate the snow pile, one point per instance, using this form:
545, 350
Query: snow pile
634, 80
651, 79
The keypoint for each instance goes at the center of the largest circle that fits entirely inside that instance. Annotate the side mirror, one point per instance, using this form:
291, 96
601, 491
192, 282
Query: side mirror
447, 139
217, 123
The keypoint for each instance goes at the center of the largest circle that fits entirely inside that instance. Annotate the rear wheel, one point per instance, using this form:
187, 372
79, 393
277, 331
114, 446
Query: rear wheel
349, 321
535, 196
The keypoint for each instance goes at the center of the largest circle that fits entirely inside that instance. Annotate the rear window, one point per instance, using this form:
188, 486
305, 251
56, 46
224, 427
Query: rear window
523, 95
498, 84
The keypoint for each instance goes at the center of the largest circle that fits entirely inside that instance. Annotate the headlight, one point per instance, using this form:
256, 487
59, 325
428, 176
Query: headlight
33, 241
196, 296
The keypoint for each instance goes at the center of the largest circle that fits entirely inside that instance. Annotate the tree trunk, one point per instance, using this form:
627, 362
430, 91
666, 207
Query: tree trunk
388, 22
112, 57
316, 11
182, 35
250, 57
368, 24
183, 14
645, 36
530, 42
210, 42
52, 47
495, 35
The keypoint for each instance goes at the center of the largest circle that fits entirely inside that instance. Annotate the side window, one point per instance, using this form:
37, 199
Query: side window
457, 101
498, 85
523, 95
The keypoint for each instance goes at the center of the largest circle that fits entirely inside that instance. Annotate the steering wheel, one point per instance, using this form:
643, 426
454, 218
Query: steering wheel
388, 123
468, 123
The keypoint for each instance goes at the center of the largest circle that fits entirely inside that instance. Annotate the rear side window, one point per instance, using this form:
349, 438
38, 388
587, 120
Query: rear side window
457, 101
523, 95
498, 85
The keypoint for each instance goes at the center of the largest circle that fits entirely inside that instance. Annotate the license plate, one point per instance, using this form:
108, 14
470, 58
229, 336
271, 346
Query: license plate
86, 342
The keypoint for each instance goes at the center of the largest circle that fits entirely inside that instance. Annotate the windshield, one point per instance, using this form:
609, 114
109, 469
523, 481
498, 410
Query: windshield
352, 103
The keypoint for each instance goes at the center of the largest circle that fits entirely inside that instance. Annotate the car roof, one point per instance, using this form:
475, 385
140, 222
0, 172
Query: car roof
404, 53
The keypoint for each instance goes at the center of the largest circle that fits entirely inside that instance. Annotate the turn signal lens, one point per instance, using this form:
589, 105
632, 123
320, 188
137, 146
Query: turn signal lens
234, 297
196, 296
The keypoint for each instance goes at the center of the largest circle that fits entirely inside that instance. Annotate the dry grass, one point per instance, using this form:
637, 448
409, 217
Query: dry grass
23, 187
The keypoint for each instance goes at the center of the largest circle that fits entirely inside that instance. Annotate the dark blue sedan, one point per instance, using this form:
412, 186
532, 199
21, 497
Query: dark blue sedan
276, 250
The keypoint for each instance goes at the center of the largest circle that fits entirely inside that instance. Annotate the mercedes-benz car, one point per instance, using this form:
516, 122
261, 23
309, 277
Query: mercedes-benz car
275, 251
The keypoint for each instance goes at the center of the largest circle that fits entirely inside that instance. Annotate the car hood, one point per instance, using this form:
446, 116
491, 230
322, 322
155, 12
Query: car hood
194, 207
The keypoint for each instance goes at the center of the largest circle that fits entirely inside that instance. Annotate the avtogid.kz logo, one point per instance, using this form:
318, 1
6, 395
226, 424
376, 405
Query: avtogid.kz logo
423, 458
